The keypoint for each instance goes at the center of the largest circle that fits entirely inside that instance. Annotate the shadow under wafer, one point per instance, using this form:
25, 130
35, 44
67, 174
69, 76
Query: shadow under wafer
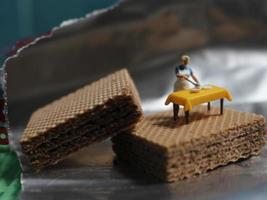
172, 150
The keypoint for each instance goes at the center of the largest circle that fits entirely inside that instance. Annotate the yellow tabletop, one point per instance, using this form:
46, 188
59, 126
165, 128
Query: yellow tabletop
188, 99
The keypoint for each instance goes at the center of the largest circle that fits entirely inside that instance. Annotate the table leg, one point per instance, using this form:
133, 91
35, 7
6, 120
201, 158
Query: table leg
208, 106
186, 117
221, 102
175, 111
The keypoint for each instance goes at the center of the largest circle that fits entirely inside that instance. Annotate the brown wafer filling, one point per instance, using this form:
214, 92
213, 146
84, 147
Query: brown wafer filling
94, 129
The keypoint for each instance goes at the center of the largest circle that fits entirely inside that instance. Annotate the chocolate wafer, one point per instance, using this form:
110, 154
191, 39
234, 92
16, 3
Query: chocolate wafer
171, 150
90, 114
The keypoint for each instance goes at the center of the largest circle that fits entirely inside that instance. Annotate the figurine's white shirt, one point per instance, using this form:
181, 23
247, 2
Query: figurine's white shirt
182, 84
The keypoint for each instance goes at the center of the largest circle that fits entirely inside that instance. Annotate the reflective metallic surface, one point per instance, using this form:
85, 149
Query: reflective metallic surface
47, 70
94, 172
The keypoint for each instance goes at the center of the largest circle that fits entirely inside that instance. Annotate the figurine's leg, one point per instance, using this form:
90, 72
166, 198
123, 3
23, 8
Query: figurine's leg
175, 111
221, 102
208, 106
187, 117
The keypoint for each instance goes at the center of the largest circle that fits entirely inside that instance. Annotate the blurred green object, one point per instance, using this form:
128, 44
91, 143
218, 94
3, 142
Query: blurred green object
9, 174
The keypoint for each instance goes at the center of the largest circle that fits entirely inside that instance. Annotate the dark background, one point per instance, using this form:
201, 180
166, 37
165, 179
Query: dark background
20, 19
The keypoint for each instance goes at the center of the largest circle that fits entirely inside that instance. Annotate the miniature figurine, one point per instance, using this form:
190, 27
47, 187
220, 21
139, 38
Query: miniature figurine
183, 96
183, 72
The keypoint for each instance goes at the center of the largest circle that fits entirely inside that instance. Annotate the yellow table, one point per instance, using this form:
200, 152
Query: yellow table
188, 99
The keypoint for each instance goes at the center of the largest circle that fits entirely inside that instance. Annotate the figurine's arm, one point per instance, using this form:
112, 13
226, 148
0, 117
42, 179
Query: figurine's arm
195, 79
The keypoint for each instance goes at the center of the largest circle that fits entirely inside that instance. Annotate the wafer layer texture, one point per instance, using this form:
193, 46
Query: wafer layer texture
93, 113
172, 150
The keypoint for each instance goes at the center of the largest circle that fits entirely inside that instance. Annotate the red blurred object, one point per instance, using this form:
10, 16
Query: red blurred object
21, 43
18, 45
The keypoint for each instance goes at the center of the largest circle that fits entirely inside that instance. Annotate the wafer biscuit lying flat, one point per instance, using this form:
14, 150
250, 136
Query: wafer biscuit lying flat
92, 113
171, 150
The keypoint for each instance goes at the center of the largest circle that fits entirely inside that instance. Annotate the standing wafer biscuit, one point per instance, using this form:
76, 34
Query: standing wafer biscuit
90, 114
171, 151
